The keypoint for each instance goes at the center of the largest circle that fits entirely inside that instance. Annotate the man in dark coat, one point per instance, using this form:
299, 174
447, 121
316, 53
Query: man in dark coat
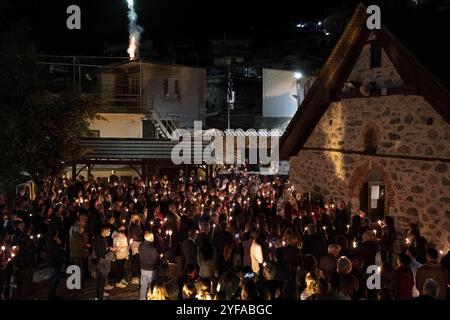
190, 249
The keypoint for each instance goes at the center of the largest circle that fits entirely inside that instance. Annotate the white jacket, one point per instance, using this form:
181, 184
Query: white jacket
120, 242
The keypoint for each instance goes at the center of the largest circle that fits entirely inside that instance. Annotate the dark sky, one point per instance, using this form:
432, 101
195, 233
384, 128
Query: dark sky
106, 20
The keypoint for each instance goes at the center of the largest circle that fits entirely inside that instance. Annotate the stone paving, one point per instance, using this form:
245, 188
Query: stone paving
131, 292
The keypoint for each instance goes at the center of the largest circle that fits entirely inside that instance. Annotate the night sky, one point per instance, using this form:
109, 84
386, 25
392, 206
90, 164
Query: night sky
105, 21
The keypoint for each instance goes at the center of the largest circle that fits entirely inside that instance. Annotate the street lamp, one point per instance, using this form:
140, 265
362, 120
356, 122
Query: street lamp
298, 76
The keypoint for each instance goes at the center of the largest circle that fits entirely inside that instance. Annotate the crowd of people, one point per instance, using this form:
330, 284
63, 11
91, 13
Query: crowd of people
234, 237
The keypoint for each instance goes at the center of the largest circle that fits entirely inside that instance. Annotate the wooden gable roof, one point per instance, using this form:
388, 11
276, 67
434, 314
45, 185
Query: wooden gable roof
337, 69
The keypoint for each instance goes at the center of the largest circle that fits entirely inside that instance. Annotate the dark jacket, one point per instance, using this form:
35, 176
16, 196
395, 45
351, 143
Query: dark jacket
313, 244
190, 252
55, 254
148, 256
100, 247
136, 233
292, 255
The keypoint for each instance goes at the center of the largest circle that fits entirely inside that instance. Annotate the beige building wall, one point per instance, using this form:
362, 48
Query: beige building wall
117, 125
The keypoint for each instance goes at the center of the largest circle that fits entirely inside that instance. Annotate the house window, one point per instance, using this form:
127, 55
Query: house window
370, 141
172, 88
134, 88
375, 54
166, 87
176, 89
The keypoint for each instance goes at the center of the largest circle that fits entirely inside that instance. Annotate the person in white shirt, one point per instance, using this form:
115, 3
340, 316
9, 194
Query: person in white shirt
120, 242
414, 265
256, 255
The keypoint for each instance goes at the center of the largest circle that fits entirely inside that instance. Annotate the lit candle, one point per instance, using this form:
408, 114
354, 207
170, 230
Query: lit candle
60, 191
3, 248
284, 243
348, 227
375, 232
161, 256
31, 215
441, 252
39, 235
31, 237
324, 228
379, 222
355, 244
124, 221
407, 241
264, 264
270, 244
135, 200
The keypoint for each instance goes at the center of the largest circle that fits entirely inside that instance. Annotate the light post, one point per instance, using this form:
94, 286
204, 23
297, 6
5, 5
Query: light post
298, 76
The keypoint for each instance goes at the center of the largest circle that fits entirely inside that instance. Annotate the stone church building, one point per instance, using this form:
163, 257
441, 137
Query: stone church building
374, 131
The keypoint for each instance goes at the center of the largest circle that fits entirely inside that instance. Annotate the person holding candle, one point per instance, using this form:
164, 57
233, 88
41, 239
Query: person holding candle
388, 237
135, 236
78, 250
55, 260
149, 262
120, 244
102, 253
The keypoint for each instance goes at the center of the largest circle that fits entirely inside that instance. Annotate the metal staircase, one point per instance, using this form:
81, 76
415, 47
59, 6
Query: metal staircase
164, 125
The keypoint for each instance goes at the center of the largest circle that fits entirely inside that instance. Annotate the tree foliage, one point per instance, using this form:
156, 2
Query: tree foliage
38, 130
